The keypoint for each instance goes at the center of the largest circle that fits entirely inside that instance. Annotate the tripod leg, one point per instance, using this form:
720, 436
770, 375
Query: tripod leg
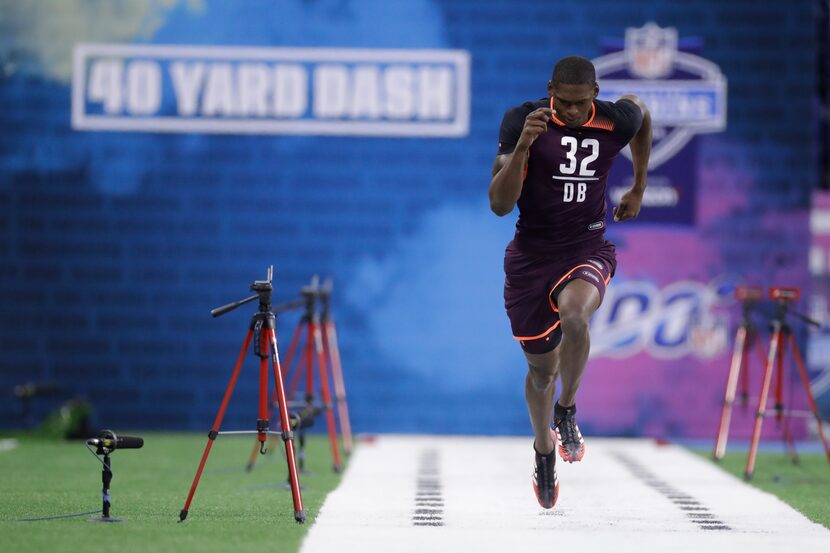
738, 354
774, 346
292, 348
309, 362
779, 378
286, 367
762, 356
295, 376
333, 351
782, 417
262, 421
788, 438
743, 369
287, 434
214, 431
805, 380
302, 365
257, 448
327, 405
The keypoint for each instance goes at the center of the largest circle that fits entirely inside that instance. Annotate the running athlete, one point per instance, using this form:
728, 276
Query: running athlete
553, 161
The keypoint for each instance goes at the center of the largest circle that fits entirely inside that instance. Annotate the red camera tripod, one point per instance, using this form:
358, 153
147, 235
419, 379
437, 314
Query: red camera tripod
782, 337
745, 337
317, 346
263, 332
332, 350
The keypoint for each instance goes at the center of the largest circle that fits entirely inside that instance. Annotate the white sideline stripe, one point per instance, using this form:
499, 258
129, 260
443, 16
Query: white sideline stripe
489, 505
8, 444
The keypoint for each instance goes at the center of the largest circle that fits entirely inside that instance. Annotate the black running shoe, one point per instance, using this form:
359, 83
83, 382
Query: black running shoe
568, 437
545, 481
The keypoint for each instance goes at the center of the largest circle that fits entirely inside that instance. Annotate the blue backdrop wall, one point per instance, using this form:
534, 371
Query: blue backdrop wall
114, 245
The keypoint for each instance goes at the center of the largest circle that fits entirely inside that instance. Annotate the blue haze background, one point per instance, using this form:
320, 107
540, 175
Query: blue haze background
115, 246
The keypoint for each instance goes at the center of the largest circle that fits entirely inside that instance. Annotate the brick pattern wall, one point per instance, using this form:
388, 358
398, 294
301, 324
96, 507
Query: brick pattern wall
114, 246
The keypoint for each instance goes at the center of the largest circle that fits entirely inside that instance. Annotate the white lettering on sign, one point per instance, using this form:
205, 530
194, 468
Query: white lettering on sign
323, 91
187, 82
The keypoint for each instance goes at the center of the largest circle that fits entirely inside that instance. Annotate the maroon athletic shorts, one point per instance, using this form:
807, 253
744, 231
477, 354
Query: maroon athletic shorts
533, 281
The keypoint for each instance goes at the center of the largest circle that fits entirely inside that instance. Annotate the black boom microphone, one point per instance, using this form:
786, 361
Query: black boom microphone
108, 440
106, 443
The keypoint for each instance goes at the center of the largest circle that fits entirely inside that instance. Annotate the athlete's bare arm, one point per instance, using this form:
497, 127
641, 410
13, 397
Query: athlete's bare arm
640, 145
508, 169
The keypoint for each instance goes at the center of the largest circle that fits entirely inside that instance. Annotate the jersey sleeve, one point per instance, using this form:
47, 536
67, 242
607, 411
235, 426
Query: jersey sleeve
627, 118
511, 129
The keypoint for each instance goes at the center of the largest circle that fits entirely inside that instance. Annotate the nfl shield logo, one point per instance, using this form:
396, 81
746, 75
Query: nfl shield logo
686, 93
650, 50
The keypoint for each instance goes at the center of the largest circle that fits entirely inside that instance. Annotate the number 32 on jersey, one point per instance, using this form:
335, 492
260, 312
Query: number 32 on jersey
576, 184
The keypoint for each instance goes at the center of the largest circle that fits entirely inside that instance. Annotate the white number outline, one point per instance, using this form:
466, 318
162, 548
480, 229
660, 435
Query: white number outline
572, 143
593, 143
570, 169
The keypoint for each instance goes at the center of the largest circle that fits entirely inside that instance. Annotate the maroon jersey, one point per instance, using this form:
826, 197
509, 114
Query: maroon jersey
562, 204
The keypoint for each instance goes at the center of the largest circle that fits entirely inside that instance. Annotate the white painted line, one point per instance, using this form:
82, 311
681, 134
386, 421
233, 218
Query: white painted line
625, 495
8, 444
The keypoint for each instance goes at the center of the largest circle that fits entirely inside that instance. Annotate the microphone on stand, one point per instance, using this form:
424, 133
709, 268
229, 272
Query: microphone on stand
107, 439
106, 443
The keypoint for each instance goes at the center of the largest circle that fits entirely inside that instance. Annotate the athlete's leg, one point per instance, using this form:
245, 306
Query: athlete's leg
540, 385
576, 303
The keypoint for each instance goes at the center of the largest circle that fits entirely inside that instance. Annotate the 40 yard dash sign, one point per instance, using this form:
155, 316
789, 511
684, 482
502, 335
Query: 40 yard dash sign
312, 91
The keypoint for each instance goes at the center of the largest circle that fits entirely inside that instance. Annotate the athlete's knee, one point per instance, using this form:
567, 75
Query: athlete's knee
540, 380
574, 323
541, 374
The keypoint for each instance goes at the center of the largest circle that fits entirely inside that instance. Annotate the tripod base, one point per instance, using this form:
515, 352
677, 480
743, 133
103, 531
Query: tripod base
107, 519
782, 337
262, 328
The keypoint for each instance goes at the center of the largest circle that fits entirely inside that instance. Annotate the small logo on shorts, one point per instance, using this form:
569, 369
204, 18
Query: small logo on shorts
590, 275
596, 226
596, 264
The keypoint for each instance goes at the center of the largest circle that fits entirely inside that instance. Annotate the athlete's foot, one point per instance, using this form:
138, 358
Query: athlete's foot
568, 436
545, 481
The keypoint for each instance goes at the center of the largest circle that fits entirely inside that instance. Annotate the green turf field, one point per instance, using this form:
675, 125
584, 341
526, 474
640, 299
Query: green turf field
805, 486
232, 510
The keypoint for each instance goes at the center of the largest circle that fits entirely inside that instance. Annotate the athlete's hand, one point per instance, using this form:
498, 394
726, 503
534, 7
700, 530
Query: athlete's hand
629, 206
535, 124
